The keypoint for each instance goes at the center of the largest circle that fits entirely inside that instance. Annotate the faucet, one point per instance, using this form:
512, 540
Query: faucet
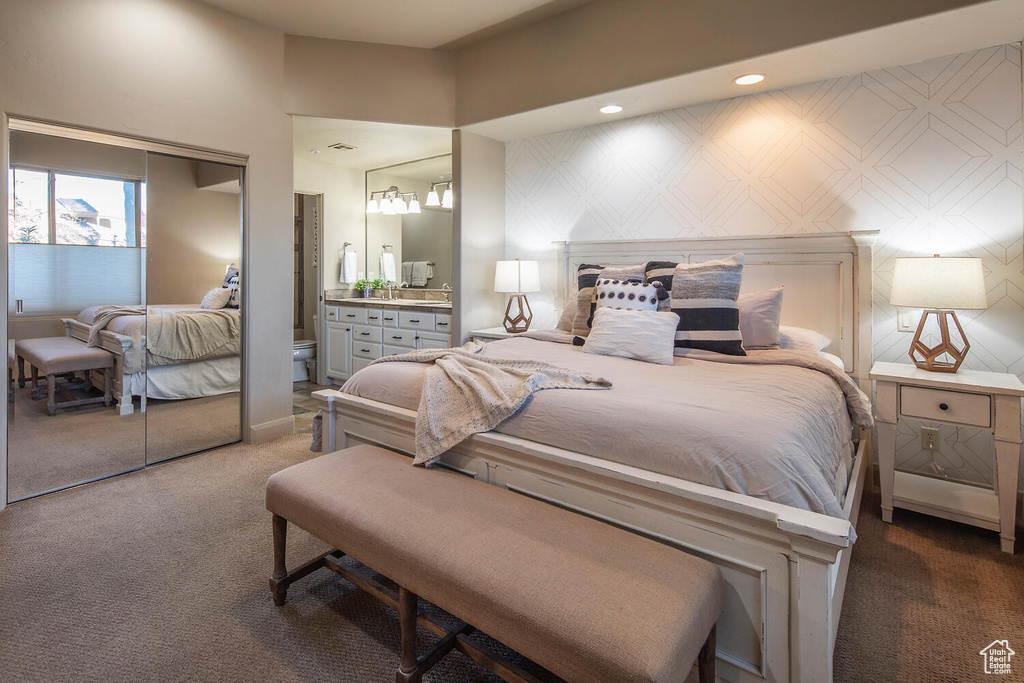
447, 292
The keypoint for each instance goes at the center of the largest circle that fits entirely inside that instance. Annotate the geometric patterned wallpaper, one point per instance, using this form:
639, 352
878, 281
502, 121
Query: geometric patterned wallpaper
928, 153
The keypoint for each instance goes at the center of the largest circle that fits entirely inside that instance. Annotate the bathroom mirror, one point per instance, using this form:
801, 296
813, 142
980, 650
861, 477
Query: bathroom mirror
418, 244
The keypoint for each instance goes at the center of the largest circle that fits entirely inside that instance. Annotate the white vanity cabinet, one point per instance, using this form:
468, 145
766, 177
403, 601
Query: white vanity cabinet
357, 335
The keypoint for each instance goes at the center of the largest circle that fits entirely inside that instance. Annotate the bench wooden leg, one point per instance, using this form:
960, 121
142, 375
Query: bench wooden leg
51, 394
10, 385
108, 386
21, 372
35, 378
706, 659
409, 671
278, 585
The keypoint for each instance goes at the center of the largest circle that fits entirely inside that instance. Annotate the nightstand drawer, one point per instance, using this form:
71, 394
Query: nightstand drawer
948, 406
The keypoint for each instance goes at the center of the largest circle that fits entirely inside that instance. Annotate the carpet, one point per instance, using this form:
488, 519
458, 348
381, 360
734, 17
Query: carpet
161, 575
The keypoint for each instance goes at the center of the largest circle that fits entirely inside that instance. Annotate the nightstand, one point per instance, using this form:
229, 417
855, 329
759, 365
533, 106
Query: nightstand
980, 400
490, 334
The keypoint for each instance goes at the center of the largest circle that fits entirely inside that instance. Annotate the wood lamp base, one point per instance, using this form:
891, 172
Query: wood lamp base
927, 357
518, 320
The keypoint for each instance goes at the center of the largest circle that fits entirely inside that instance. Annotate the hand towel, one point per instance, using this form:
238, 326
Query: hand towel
387, 267
348, 267
406, 272
419, 274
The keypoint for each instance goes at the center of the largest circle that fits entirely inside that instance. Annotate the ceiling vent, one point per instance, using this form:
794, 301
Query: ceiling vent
342, 146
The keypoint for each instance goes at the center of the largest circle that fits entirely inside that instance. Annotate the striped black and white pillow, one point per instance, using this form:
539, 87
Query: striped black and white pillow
586, 280
704, 296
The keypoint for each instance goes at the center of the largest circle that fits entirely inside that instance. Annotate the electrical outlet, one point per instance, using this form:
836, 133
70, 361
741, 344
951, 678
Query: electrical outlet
929, 438
906, 320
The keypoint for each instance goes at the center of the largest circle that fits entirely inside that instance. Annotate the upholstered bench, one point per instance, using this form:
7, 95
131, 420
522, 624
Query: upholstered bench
585, 600
54, 356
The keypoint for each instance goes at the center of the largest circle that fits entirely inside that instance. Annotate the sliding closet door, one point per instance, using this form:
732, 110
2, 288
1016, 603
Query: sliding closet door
194, 322
75, 245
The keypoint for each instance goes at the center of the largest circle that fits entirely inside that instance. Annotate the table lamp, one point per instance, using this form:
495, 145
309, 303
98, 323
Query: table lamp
939, 285
517, 277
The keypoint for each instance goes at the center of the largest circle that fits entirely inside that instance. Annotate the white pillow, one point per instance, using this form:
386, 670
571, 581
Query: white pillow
649, 336
216, 298
835, 360
802, 339
625, 294
759, 318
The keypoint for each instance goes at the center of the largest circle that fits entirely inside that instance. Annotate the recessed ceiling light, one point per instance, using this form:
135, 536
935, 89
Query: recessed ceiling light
314, 151
610, 109
748, 79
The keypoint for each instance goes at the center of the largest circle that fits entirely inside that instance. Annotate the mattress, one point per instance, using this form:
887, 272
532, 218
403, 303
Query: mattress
779, 432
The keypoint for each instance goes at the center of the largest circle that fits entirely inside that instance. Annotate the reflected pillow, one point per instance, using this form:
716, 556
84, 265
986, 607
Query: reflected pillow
231, 276
216, 298
642, 335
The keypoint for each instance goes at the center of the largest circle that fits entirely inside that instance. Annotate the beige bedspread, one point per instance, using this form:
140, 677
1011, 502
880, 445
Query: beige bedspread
781, 432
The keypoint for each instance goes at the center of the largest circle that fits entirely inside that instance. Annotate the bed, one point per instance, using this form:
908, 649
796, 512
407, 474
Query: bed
141, 372
782, 539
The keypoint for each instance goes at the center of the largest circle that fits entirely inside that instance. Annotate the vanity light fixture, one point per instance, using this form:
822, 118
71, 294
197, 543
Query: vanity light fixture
448, 198
610, 109
371, 206
445, 200
748, 79
393, 201
432, 199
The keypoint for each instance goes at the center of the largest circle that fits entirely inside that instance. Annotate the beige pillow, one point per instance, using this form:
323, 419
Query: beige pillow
568, 313
587, 276
642, 335
759, 318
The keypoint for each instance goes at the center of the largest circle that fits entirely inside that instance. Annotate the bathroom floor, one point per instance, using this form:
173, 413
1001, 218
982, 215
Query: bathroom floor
304, 406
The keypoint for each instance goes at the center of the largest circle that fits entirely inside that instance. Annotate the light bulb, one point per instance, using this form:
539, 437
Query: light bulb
371, 206
748, 79
414, 205
610, 109
399, 205
387, 207
446, 200
432, 199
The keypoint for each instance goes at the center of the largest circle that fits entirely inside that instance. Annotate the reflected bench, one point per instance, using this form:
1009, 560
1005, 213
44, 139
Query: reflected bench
53, 356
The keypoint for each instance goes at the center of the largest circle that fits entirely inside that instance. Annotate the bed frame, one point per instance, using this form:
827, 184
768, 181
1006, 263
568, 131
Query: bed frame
785, 569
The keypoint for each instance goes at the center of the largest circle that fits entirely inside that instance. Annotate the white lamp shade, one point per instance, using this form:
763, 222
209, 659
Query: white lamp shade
386, 207
371, 206
432, 199
414, 206
446, 199
939, 283
516, 277
398, 204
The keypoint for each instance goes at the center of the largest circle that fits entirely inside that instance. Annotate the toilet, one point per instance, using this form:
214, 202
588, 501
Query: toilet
303, 350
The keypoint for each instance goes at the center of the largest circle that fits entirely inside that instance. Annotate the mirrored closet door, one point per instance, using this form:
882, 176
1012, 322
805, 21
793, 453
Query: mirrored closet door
124, 314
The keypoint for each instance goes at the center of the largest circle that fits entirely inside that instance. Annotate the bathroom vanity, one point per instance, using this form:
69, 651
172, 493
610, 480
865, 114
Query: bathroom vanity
358, 331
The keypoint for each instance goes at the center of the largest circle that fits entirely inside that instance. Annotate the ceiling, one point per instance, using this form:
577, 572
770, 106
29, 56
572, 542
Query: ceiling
376, 144
413, 23
426, 170
978, 26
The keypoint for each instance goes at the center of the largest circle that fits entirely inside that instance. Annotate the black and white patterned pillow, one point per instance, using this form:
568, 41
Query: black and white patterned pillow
587, 276
231, 281
704, 296
630, 295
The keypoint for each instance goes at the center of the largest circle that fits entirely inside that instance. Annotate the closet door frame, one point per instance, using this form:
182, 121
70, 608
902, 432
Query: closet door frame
28, 125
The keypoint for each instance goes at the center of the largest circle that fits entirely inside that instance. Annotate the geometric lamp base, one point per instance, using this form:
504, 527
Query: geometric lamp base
518, 320
928, 357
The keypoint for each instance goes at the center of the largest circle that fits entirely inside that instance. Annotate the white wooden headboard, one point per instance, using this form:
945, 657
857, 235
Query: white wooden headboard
827, 278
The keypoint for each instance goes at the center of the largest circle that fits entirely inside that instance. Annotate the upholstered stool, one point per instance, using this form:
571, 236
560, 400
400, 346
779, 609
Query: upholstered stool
54, 356
11, 361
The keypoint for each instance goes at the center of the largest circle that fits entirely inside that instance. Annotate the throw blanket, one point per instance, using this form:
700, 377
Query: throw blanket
187, 335
465, 393
105, 315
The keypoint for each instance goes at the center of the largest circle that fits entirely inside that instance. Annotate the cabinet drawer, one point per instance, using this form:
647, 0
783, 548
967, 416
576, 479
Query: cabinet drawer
389, 318
414, 320
365, 333
373, 316
364, 350
948, 406
395, 350
352, 314
398, 337
332, 312
442, 322
358, 364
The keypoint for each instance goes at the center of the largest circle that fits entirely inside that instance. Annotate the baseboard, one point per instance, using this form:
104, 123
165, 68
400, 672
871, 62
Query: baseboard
268, 431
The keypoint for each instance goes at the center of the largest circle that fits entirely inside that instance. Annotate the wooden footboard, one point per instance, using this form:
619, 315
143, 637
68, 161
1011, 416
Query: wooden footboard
117, 344
785, 569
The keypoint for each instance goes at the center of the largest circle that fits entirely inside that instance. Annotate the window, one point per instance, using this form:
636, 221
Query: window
47, 207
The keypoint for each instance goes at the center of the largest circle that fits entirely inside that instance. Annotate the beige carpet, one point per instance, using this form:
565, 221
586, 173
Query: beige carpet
160, 575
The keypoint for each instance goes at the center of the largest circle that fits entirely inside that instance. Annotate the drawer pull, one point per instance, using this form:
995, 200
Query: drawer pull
442, 324
365, 351
365, 334
413, 321
372, 317
389, 318
350, 315
943, 406
396, 336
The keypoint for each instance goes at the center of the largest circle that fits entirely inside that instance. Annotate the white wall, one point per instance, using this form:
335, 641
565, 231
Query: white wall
928, 153
344, 205
183, 72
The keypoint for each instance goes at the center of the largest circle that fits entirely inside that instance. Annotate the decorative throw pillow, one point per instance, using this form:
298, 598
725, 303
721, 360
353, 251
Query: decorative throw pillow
216, 298
236, 297
704, 296
802, 339
568, 313
629, 294
586, 278
644, 335
759, 318
231, 276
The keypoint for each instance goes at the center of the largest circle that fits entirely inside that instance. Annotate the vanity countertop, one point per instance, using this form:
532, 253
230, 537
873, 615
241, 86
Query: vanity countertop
401, 304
